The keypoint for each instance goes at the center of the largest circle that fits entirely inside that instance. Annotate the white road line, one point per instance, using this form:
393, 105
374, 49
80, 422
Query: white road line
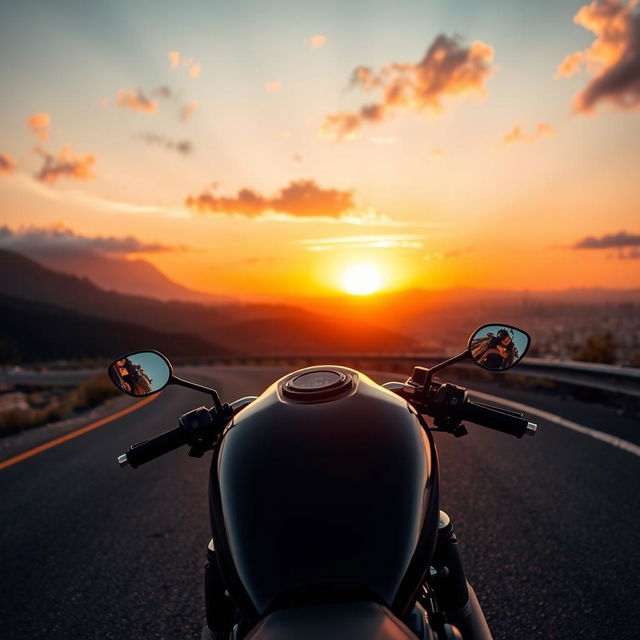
551, 417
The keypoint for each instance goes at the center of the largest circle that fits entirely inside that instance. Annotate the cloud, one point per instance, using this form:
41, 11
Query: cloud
613, 59
519, 135
163, 92
447, 69
273, 87
618, 240
65, 164
7, 164
438, 256
299, 199
317, 42
185, 147
59, 238
137, 101
187, 110
40, 124
175, 58
385, 241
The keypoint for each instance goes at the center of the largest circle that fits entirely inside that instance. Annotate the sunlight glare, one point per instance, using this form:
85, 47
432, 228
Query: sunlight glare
361, 279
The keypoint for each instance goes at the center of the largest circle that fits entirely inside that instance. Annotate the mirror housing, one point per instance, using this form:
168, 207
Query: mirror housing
498, 347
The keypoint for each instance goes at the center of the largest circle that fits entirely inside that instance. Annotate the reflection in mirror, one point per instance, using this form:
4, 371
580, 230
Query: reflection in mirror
498, 346
140, 374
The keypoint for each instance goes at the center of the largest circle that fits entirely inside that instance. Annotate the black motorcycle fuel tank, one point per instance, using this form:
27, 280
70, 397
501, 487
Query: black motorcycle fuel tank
324, 485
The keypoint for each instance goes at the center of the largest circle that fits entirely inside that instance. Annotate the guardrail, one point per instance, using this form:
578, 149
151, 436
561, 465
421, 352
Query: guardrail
623, 381
615, 379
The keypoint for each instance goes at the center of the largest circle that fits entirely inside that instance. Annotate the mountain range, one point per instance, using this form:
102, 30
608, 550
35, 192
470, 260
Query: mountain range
237, 328
135, 277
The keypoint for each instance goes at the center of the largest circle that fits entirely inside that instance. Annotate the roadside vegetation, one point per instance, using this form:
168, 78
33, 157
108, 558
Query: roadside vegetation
47, 407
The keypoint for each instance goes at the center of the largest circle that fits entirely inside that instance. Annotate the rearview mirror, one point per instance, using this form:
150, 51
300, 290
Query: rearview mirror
498, 347
141, 373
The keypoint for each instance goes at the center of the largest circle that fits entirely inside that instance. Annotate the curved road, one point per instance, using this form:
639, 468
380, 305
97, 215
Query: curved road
549, 526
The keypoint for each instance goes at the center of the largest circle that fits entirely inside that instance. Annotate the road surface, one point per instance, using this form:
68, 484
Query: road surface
549, 526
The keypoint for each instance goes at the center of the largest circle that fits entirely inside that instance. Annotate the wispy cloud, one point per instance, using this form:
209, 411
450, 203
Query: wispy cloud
383, 241
176, 60
185, 147
40, 124
7, 164
518, 134
613, 59
136, 101
273, 87
447, 69
317, 42
65, 164
187, 110
301, 198
59, 238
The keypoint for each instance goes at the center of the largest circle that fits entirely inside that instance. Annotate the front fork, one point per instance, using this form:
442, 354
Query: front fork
447, 595
221, 612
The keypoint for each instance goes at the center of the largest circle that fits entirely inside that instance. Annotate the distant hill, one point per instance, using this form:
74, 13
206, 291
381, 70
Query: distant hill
240, 328
35, 331
134, 277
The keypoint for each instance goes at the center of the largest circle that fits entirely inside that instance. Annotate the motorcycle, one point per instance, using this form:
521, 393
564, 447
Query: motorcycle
324, 506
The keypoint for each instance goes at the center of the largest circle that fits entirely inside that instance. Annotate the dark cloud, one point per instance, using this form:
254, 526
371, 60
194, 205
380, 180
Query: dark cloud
59, 238
618, 240
301, 199
613, 58
185, 147
65, 164
163, 92
7, 164
447, 69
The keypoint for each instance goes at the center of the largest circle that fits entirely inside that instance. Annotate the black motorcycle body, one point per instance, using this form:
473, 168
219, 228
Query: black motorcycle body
325, 511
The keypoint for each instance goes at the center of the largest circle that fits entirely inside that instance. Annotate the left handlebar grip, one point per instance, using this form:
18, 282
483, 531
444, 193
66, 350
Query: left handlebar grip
147, 450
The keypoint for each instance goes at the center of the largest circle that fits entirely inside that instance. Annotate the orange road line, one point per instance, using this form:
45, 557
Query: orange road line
74, 434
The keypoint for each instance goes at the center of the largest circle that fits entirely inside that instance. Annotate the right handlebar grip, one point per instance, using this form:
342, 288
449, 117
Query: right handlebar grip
142, 452
496, 419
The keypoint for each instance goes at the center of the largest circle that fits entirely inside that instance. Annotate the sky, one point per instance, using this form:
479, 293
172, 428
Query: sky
262, 149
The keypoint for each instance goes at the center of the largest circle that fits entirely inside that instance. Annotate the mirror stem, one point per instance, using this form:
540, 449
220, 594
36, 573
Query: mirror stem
198, 387
442, 365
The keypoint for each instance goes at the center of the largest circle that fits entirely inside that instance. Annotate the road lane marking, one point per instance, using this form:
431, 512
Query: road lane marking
74, 434
614, 441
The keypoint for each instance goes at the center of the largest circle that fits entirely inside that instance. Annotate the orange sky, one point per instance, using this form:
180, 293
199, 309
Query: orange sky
267, 165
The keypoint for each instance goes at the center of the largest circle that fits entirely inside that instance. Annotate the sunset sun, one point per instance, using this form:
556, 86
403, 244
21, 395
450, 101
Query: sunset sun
361, 279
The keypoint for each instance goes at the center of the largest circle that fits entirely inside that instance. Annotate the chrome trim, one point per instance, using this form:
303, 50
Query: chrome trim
532, 427
443, 520
398, 387
241, 403
122, 460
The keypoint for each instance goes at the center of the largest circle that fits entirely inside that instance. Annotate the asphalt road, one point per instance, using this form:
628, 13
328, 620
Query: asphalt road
549, 527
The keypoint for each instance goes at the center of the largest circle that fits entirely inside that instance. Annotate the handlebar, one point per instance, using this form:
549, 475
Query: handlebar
496, 419
147, 450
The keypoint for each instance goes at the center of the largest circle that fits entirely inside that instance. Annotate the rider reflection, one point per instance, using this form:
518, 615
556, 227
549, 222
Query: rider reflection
496, 352
133, 377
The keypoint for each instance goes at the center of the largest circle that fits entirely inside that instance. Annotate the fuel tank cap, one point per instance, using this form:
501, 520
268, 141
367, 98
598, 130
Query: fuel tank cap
317, 384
